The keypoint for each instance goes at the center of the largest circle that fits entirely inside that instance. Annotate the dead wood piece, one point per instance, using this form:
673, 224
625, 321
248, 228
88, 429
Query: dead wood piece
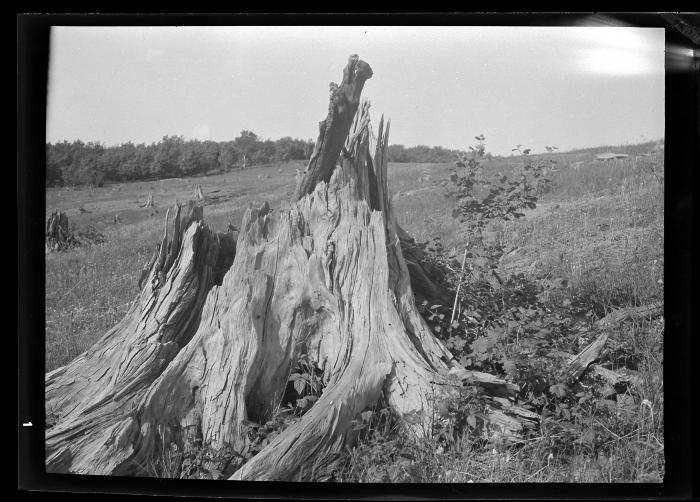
578, 364
59, 234
619, 315
507, 423
620, 380
491, 384
333, 131
97, 398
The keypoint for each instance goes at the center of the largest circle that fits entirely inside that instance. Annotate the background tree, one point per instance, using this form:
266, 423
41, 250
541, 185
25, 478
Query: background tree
166, 161
229, 155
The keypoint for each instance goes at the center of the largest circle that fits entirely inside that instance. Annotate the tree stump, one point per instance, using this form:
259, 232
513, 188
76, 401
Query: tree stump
149, 201
58, 234
197, 193
220, 324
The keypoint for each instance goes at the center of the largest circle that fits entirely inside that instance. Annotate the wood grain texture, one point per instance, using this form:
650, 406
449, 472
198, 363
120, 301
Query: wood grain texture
92, 399
211, 339
333, 130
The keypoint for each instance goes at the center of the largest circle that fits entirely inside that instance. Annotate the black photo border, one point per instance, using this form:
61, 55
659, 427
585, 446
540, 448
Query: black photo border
681, 156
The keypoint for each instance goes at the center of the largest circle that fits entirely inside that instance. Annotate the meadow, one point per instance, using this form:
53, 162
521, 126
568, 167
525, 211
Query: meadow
594, 243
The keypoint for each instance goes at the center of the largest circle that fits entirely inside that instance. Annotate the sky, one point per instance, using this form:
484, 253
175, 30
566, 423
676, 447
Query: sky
569, 87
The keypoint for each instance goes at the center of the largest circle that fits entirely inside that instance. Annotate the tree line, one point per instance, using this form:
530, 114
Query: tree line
423, 153
92, 163
78, 163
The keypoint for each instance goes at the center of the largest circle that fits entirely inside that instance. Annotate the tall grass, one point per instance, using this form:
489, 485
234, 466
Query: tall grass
598, 227
88, 290
602, 231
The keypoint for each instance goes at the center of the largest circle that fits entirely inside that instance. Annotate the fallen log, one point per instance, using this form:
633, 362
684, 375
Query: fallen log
619, 315
578, 364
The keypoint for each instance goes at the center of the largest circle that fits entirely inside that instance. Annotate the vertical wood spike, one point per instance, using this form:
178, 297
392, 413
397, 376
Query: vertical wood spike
163, 245
384, 168
174, 246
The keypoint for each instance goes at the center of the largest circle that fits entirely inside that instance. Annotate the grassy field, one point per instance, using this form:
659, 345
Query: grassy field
597, 233
89, 289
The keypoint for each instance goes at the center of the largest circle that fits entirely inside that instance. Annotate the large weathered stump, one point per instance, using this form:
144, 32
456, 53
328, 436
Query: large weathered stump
211, 340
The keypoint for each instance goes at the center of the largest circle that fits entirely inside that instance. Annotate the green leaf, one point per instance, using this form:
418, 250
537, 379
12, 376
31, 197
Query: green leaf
558, 390
456, 343
588, 437
481, 346
299, 385
509, 367
471, 420
543, 333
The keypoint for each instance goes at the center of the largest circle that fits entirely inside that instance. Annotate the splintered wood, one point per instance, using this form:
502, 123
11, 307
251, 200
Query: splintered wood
578, 365
218, 326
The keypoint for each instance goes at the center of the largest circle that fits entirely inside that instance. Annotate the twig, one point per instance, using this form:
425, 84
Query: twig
617, 437
459, 284
71, 289
536, 473
474, 476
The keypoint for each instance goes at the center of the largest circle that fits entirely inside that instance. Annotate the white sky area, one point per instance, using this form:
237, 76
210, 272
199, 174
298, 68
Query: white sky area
564, 86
